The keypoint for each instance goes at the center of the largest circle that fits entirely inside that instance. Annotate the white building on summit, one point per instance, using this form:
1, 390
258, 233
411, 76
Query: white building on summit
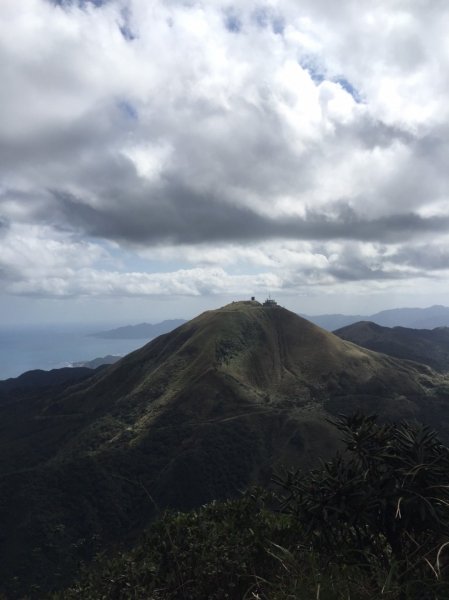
270, 303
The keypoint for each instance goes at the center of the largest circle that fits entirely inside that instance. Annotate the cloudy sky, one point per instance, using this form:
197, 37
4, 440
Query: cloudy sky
160, 157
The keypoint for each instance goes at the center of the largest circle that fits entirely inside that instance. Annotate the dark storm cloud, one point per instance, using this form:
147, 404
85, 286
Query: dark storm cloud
82, 143
182, 217
425, 257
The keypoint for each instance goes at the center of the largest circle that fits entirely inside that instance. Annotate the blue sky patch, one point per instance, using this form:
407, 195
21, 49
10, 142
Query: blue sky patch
318, 75
233, 23
127, 33
315, 71
348, 87
278, 25
80, 3
264, 17
125, 26
127, 109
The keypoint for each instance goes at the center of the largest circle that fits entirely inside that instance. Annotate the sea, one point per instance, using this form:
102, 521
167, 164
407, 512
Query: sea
50, 347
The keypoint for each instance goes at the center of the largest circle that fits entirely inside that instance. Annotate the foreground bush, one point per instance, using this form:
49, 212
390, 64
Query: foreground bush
372, 523
383, 505
214, 552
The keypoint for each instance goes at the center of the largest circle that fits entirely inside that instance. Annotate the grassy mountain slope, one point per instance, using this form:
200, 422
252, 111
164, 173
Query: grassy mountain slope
197, 414
427, 346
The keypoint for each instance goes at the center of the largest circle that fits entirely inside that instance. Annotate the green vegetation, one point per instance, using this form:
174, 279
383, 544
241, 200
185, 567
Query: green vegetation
199, 414
371, 523
427, 346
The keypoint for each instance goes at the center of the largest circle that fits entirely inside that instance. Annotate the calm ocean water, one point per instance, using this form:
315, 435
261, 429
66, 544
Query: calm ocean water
51, 348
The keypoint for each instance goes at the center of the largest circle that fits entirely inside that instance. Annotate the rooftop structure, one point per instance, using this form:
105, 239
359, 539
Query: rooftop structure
270, 303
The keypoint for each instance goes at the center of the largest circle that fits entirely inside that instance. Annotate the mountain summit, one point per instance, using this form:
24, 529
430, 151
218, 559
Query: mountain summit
268, 354
197, 414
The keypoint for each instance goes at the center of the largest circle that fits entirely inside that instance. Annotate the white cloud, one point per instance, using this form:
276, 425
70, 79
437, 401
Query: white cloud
209, 147
38, 261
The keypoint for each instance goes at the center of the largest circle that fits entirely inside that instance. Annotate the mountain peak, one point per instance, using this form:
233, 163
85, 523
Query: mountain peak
239, 304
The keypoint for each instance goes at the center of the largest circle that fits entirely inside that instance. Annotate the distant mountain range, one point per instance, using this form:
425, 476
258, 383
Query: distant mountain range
141, 331
110, 359
197, 414
415, 318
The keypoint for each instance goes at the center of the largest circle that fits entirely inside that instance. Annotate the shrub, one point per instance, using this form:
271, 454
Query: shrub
382, 505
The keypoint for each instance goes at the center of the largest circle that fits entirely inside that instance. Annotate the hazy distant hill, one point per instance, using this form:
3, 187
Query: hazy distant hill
415, 318
427, 346
335, 321
110, 359
195, 415
140, 331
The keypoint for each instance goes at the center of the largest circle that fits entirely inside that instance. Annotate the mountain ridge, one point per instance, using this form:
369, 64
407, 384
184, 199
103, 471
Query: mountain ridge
139, 331
416, 318
427, 346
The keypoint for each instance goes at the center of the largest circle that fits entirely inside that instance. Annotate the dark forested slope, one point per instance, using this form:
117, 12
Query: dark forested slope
427, 346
